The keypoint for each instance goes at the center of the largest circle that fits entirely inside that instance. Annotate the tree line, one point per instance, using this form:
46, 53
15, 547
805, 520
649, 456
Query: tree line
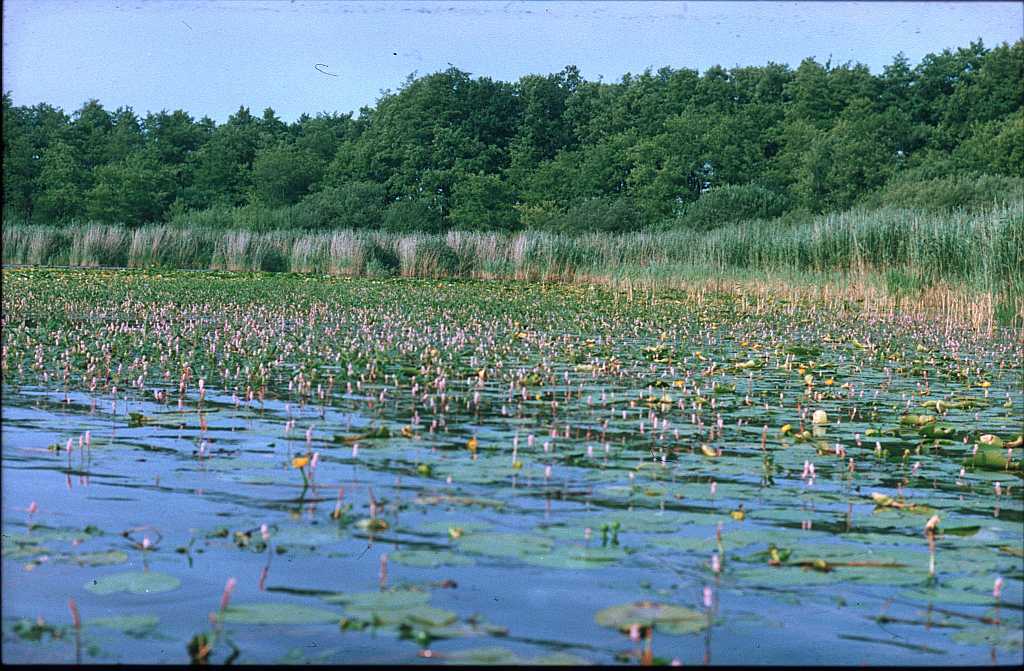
670, 148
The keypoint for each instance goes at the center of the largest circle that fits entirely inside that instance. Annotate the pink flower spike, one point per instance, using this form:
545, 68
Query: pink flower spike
265, 532
714, 487
146, 543
32, 508
634, 632
997, 588
68, 445
708, 597
88, 437
229, 587
999, 489
75, 619
716, 563
314, 461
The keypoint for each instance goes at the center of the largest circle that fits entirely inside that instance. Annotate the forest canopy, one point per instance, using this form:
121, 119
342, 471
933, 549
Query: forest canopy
663, 149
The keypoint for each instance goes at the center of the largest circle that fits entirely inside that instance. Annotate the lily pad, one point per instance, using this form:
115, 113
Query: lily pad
379, 601
663, 617
506, 545
133, 582
101, 558
279, 613
429, 558
136, 626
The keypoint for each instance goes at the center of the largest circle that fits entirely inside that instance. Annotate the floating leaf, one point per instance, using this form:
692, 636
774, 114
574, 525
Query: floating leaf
429, 558
279, 613
505, 544
133, 582
136, 626
376, 601
101, 558
663, 617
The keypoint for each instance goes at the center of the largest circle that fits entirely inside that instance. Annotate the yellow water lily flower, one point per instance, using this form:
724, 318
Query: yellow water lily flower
299, 462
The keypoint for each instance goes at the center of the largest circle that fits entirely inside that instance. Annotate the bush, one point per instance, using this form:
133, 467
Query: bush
380, 261
356, 205
729, 204
435, 258
974, 193
608, 214
414, 215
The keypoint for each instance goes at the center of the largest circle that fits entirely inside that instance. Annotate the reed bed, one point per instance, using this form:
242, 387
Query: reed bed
888, 256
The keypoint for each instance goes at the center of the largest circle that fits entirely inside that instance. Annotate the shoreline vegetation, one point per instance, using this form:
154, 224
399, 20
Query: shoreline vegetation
964, 267
904, 186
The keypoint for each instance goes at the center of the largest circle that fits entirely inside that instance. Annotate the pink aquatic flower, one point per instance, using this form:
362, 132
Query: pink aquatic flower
76, 621
229, 587
708, 597
634, 632
265, 532
716, 563
997, 588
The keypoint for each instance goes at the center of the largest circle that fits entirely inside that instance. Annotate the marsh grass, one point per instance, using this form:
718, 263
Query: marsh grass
897, 256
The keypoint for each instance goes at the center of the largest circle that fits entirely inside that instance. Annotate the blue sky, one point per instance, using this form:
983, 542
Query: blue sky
209, 57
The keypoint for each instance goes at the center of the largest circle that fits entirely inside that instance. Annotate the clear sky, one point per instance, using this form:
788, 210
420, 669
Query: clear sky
209, 57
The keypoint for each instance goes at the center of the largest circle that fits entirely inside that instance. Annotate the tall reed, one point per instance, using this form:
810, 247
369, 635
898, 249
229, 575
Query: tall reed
902, 252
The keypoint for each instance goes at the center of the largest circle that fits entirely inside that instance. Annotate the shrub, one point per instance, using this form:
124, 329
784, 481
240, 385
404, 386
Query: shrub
613, 215
435, 258
380, 261
729, 204
411, 216
355, 205
974, 193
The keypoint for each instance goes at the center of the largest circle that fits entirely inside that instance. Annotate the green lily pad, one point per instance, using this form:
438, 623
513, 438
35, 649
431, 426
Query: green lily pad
136, 626
101, 558
490, 656
663, 617
279, 613
1006, 638
576, 557
417, 616
133, 582
506, 545
380, 601
429, 558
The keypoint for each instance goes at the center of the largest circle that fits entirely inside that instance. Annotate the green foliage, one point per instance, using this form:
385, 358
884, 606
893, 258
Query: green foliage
971, 192
282, 174
608, 215
483, 202
548, 152
410, 215
730, 204
380, 261
435, 258
135, 190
